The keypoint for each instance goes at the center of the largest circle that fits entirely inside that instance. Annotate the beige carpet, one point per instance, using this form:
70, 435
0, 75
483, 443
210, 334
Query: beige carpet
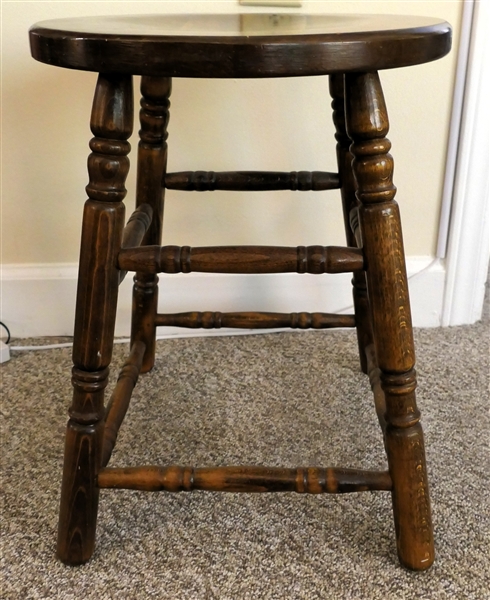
281, 399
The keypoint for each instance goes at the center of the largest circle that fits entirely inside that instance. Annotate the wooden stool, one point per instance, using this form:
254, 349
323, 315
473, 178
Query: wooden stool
348, 48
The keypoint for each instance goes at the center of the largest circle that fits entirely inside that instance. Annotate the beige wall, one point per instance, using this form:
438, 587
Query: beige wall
216, 125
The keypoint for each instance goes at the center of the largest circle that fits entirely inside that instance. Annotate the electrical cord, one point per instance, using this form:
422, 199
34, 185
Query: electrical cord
159, 337
7, 330
206, 333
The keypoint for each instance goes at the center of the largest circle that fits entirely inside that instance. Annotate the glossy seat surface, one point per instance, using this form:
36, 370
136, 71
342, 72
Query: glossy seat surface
239, 45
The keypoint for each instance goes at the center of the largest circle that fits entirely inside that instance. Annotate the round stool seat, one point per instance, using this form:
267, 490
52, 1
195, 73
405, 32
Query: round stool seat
239, 45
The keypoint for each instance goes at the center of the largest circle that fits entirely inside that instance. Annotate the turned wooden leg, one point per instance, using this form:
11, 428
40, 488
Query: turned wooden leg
98, 279
152, 164
367, 126
350, 206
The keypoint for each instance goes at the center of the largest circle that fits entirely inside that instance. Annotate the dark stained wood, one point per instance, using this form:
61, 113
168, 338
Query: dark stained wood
152, 150
137, 226
350, 203
135, 230
152, 164
351, 49
83, 443
251, 181
411, 503
255, 320
307, 480
375, 381
98, 282
379, 221
103, 221
354, 223
121, 396
241, 259
239, 46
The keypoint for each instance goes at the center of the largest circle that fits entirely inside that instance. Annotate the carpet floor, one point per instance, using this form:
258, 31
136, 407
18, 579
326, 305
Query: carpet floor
280, 399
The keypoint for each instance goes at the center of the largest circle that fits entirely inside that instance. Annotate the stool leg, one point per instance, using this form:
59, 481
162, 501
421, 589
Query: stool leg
349, 206
152, 164
98, 279
367, 126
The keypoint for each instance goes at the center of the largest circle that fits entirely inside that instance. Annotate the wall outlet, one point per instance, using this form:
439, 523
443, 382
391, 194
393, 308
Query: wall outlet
276, 3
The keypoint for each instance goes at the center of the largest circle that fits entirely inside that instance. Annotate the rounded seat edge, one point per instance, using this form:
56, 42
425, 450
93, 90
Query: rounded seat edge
240, 57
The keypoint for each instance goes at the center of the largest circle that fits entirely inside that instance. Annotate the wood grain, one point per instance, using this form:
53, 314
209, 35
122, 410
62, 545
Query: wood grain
308, 480
350, 203
205, 46
254, 320
152, 165
381, 43
241, 259
98, 282
135, 230
380, 227
120, 399
251, 181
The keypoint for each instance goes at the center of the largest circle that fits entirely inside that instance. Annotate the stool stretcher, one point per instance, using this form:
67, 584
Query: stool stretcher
303, 480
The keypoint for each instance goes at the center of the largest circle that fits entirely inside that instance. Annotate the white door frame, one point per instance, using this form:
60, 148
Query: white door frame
468, 233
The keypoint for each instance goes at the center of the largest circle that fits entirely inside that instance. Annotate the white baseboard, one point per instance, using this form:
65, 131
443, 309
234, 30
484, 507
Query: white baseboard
39, 300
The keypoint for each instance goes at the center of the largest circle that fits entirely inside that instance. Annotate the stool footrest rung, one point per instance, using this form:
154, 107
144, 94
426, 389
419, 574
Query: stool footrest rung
241, 259
310, 480
137, 225
254, 320
120, 399
354, 225
134, 232
251, 181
